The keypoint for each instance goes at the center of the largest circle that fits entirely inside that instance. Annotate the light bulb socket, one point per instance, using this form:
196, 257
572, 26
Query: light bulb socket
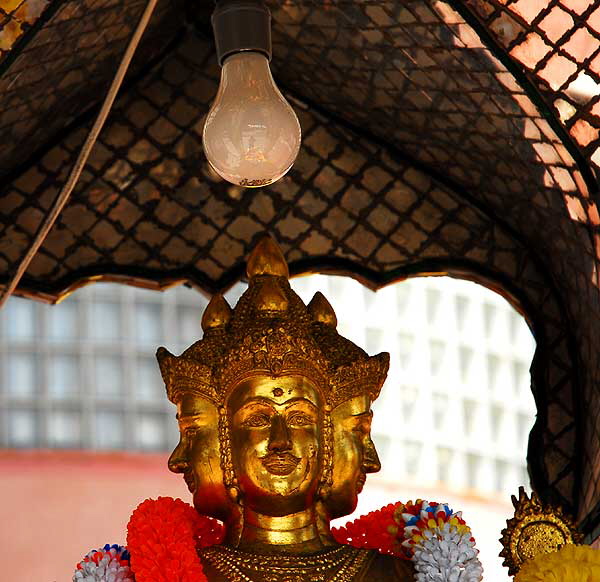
241, 25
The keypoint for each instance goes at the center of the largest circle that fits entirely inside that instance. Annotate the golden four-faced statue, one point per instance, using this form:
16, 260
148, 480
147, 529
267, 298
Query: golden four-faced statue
274, 411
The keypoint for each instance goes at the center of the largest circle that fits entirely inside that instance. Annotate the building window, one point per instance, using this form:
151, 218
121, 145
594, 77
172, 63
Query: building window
520, 376
189, 327
150, 432
496, 417
405, 349
493, 370
63, 322
63, 377
500, 475
382, 445
22, 428
461, 307
109, 431
490, 313
440, 408
437, 349
524, 425
148, 327
515, 322
20, 316
412, 457
149, 386
64, 429
465, 358
108, 377
370, 298
408, 397
374, 340
22, 375
105, 321
470, 413
473, 466
432, 304
524, 476
444, 460
402, 297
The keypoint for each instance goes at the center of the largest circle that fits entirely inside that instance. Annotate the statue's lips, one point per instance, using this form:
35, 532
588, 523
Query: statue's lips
188, 477
361, 482
280, 463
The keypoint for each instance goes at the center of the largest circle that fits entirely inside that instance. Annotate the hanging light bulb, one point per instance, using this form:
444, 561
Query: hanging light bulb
251, 135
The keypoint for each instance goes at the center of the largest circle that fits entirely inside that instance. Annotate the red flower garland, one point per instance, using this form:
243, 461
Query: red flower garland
378, 530
162, 539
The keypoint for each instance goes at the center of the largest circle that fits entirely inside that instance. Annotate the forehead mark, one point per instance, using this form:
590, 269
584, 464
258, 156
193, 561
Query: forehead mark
277, 392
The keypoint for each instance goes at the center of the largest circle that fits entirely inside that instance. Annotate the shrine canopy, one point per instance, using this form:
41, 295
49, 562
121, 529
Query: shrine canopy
458, 137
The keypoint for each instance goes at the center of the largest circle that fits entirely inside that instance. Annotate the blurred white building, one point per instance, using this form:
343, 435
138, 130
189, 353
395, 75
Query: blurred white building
451, 423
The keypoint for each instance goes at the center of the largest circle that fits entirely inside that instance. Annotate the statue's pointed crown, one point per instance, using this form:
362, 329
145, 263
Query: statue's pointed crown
272, 332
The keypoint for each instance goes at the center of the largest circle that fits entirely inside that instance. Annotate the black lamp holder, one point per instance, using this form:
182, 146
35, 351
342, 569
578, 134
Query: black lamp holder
241, 25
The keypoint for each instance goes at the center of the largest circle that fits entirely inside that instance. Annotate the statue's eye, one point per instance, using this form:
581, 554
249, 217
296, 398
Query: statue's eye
362, 428
300, 419
191, 431
257, 421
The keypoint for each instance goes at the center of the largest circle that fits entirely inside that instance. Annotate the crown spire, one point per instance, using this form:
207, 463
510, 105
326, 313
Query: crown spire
217, 313
320, 310
267, 259
271, 331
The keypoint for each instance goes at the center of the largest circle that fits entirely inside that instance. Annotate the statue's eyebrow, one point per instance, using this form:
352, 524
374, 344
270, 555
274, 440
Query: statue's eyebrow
301, 400
257, 400
365, 415
189, 418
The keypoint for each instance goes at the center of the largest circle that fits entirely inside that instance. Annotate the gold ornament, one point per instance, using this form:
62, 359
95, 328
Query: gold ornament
271, 332
340, 564
274, 417
535, 529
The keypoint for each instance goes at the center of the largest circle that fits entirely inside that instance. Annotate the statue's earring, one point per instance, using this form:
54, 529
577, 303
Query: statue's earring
234, 492
326, 483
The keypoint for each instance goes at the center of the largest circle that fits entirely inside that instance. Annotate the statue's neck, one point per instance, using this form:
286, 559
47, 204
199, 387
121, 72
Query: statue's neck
303, 532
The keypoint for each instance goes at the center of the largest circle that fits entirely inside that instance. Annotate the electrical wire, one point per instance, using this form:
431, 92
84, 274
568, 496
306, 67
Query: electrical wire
84, 153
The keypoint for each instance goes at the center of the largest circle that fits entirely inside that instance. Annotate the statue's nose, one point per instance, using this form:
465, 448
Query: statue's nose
371, 462
279, 437
178, 462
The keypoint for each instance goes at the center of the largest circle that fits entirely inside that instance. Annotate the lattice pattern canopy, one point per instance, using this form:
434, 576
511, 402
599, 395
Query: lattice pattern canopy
438, 136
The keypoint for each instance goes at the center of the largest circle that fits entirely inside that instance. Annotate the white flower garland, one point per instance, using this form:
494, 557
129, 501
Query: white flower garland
110, 564
442, 545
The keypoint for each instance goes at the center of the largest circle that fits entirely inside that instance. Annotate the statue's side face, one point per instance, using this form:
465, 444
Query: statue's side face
354, 454
276, 438
197, 455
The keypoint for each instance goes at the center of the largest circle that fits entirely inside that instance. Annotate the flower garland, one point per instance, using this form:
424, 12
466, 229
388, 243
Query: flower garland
377, 530
569, 564
163, 537
436, 539
110, 564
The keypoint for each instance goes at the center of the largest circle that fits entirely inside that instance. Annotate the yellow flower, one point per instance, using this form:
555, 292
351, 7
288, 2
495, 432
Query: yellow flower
569, 564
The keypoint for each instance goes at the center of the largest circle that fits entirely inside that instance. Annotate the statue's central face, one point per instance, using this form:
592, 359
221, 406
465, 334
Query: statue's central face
276, 439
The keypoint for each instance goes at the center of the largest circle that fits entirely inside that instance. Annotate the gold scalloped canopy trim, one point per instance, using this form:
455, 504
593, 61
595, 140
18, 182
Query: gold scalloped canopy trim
535, 529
